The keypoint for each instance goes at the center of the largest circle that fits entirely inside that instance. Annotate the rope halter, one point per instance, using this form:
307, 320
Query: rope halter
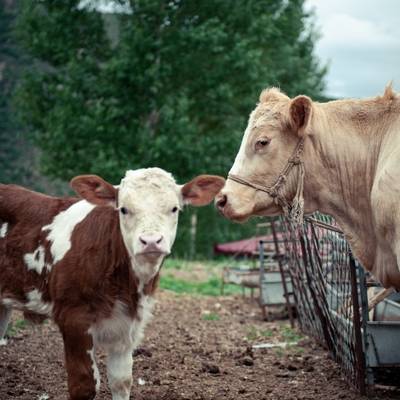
294, 211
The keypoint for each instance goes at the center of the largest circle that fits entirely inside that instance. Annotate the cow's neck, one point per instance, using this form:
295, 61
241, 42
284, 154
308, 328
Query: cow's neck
340, 160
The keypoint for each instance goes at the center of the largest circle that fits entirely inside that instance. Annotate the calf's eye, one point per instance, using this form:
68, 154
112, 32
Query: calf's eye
123, 210
175, 209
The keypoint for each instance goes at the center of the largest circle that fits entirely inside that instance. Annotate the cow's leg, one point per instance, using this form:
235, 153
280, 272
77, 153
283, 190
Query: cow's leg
83, 375
119, 372
5, 314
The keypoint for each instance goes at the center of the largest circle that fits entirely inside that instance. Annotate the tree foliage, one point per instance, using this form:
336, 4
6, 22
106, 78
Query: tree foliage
170, 85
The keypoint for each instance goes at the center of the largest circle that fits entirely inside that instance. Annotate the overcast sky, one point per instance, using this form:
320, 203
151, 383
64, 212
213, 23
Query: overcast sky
361, 41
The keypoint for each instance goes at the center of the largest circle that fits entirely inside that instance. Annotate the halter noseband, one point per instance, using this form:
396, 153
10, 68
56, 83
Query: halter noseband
294, 210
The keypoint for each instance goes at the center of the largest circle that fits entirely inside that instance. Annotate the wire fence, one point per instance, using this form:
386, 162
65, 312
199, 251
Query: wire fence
325, 280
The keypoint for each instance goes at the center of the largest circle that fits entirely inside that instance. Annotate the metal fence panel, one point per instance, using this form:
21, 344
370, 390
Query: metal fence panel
325, 285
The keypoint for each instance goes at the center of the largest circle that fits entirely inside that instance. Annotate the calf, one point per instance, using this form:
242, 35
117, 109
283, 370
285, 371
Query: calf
92, 264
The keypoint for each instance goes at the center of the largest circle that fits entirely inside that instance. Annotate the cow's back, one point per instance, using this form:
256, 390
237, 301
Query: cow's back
20, 205
23, 246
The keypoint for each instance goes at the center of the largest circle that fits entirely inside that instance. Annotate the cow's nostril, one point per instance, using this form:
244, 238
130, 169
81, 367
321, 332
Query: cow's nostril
160, 239
142, 240
222, 200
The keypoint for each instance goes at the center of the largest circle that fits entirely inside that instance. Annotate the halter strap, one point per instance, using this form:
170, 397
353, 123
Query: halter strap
294, 210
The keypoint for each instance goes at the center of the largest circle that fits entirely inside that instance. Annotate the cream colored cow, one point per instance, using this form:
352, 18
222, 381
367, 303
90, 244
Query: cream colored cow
341, 158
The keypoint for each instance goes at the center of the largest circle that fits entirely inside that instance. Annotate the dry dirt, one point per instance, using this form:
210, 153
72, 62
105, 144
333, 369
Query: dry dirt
196, 348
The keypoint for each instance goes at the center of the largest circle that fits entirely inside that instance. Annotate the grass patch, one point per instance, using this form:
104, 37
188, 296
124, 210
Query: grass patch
15, 327
252, 334
211, 287
290, 335
255, 333
182, 264
174, 263
210, 317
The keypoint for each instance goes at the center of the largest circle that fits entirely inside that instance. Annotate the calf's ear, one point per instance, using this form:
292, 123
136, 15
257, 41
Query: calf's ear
201, 190
95, 190
299, 113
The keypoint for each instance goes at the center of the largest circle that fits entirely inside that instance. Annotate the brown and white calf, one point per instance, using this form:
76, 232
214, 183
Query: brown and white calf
92, 264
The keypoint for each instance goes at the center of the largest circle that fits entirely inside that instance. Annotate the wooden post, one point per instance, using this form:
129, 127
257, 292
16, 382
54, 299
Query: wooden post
193, 231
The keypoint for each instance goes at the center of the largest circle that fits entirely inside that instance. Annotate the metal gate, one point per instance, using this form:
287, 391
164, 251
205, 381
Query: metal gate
326, 280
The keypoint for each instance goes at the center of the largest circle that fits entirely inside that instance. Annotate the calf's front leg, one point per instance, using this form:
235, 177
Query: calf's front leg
5, 314
82, 371
119, 373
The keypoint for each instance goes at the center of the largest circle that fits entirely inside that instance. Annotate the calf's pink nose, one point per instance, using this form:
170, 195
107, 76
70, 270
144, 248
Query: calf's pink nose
152, 239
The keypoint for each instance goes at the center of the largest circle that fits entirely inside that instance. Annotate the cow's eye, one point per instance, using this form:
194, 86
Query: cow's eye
262, 143
123, 210
175, 209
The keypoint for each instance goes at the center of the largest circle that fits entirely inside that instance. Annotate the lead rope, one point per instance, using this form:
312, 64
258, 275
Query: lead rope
296, 212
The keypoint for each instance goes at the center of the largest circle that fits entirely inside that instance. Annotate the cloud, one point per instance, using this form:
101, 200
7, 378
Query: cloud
361, 41
349, 31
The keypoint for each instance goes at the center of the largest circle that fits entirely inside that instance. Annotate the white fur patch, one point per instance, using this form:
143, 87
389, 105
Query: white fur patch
3, 230
119, 372
114, 333
35, 261
36, 304
96, 373
60, 230
238, 165
119, 332
118, 336
12, 303
144, 314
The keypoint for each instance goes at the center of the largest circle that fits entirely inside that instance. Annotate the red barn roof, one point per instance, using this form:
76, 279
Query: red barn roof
245, 247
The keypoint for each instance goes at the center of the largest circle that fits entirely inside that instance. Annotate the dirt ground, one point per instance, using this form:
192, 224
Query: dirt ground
196, 348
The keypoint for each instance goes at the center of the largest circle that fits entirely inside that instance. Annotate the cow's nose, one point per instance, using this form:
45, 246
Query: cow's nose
153, 239
221, 201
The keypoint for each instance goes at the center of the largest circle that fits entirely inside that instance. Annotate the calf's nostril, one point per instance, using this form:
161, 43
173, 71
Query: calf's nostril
222, 200
152, 239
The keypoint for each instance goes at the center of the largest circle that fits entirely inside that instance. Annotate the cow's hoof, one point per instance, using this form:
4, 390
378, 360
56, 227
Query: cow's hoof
3, 342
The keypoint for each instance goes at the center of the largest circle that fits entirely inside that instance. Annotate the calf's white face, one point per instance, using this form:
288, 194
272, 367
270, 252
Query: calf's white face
148, 202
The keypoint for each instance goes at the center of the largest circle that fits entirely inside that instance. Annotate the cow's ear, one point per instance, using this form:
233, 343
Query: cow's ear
299, 113
201, 190
95, 190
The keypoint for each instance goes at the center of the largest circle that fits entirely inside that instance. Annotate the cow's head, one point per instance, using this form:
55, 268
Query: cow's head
148, 202
272, 133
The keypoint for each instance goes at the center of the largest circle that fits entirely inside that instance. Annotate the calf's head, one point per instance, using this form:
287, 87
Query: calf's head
148, 202
273, 132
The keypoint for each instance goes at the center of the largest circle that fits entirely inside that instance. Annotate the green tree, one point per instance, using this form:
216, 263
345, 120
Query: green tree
18, 157
172, 86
